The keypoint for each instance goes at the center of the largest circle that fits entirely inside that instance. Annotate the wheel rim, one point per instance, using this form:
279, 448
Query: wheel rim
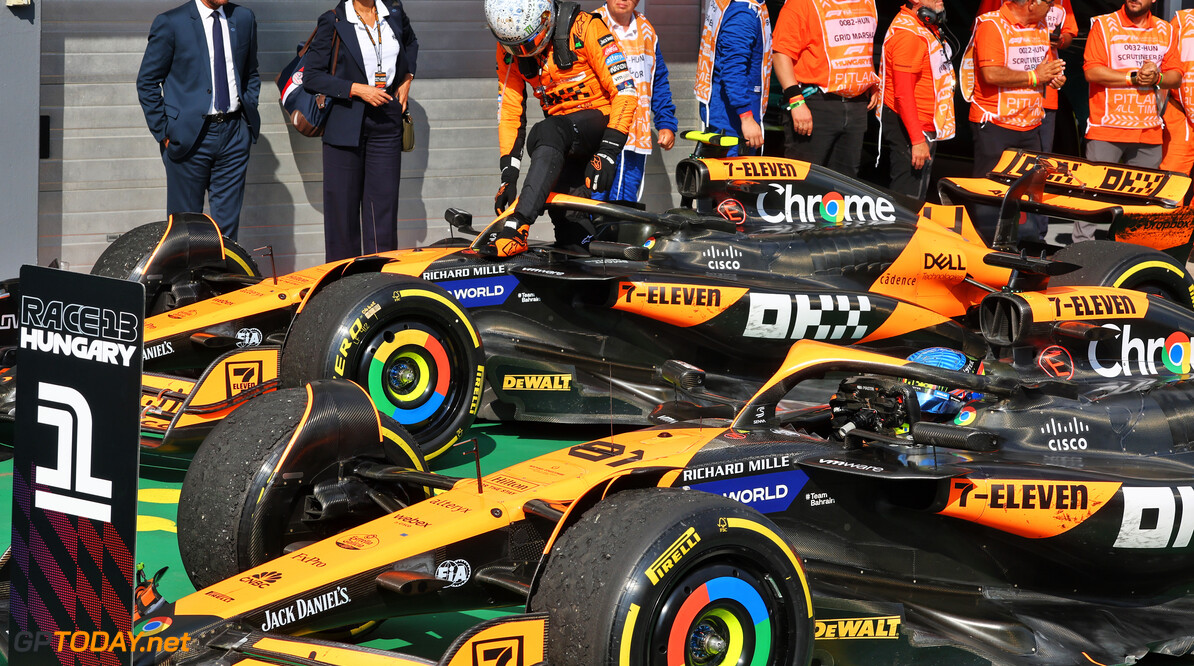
409, 375
717, 616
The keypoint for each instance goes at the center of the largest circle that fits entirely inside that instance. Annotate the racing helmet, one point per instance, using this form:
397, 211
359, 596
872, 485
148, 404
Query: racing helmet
940, 399
522, 27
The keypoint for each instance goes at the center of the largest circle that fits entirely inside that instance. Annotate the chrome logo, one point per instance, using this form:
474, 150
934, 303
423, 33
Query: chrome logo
965, 416
155, 626
833, 208
1177, 353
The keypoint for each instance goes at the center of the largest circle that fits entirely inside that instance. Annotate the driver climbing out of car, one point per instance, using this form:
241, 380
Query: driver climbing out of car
576, 69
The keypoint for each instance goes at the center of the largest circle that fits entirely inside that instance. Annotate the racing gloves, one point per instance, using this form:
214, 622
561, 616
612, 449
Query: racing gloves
599, 174
510, 240
507, 192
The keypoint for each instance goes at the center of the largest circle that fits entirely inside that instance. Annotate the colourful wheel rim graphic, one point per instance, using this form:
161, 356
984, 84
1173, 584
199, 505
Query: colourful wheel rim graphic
412, 400
726, 603
155, 625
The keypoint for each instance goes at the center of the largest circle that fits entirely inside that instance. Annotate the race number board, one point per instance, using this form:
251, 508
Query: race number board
74, 506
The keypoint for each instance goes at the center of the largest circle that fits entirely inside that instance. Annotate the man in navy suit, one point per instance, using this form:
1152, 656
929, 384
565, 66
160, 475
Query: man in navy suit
198, 86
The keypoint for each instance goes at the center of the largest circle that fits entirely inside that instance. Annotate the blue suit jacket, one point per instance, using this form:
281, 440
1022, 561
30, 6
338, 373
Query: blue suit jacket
174, 83
737, 71
343, 126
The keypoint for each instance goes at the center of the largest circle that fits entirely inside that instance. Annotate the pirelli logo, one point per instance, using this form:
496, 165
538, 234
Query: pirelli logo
537, 383
860, 627
672, 556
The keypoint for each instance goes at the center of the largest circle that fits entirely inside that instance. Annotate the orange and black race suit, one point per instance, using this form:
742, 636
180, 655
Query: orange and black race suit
599, 79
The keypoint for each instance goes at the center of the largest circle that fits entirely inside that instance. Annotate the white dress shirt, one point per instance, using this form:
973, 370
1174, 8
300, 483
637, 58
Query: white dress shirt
230, 73
369, 49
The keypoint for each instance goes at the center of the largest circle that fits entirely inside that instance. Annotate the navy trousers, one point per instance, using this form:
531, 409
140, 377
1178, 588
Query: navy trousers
216, 168
360, 190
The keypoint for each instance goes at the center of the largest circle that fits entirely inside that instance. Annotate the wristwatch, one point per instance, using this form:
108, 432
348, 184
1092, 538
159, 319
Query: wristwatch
1132, 76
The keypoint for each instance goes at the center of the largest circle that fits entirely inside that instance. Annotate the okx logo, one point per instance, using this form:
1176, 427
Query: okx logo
66, 410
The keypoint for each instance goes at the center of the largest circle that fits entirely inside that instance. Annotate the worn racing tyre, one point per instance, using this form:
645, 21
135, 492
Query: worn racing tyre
120, 258
667, 576
227, 524
1113, 264
407, 342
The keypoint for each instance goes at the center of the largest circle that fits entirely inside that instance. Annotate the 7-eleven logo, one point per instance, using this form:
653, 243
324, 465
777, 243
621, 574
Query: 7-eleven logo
242, 376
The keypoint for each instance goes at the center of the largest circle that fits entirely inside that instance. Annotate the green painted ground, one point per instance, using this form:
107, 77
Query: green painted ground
427, 636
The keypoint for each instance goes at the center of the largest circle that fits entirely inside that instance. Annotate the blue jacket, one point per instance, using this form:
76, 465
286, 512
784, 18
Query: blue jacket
663, 111
737, 70
343, 126
174, 83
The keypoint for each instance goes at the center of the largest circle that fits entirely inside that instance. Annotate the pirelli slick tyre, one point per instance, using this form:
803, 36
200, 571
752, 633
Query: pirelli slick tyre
120, 259
1113, 264
667, 576
406, 341
228, 523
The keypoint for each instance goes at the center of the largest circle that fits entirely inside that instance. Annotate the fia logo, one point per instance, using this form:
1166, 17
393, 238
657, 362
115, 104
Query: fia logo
73, 474
456, 572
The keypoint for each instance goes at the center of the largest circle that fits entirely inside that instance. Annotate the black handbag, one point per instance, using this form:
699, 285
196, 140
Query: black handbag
307, 112
408, 132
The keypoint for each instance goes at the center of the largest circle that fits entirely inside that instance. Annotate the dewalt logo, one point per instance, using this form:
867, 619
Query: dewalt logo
860, 627
537, 383
671, 557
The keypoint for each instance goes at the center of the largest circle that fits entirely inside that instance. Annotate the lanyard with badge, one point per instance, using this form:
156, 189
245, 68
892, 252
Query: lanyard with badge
379, 77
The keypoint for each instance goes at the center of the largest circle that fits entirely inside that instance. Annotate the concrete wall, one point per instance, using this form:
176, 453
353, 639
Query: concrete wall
105, 176
20, 41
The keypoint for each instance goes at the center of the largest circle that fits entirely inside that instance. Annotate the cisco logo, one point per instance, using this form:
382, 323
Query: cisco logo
722, 259
1065, 434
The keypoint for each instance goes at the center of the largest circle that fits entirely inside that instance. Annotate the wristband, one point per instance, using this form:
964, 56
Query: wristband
1033, 82
795, 105
792, 91
746, 115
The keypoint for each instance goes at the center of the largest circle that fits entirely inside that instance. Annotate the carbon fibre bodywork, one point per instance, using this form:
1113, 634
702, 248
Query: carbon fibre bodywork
697, 303
1047, 523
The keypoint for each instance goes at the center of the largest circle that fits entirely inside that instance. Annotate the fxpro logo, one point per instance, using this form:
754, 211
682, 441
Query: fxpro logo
1174, 352
832, 207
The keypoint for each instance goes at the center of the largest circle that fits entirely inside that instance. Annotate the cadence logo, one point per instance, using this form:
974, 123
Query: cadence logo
1142, 354
831, 207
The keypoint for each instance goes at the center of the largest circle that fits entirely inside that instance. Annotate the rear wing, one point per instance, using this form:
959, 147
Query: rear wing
1116, 184
1136, 205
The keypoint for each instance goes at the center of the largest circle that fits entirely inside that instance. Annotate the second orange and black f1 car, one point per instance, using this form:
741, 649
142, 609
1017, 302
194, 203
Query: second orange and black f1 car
698, 303
1044, 520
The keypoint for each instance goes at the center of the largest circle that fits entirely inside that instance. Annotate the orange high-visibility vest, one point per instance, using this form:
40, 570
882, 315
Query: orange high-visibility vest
1024, 49
1183, 28
1128, 47
639, 48
942, 71
708, 52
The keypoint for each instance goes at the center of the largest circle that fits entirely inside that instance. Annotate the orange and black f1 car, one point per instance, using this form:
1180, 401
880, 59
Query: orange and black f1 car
1045, 521
698, 303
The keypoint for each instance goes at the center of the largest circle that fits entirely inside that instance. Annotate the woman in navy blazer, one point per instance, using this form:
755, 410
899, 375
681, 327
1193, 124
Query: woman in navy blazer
362, 139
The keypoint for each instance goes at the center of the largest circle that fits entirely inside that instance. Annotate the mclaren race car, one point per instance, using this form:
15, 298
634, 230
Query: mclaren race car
700, 302
1043, 519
